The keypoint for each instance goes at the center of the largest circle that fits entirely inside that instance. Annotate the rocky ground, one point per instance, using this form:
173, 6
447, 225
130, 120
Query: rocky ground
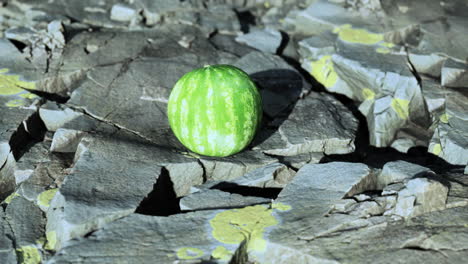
361, 157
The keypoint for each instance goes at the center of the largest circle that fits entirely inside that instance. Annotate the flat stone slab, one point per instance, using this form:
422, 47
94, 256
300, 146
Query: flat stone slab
317, 124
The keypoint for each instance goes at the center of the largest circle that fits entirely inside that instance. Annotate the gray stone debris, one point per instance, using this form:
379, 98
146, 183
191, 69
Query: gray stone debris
266, 40
90, 171
390, 96
123, 13
216, 199
399, 171
272, 175
235, 166
122, 183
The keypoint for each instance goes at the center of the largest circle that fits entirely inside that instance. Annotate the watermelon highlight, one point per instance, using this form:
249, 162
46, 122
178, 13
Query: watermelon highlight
215, 110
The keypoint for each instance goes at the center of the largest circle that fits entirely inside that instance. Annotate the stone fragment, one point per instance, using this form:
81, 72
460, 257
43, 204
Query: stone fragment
419, 196
235, 166
26, 220
450, 138
228, 43
266, 40
271, 175
454, 74
367, 209
430, 64
104, 185
66, 140
7, 250
399, 171
216, 199
331, 129
122, 13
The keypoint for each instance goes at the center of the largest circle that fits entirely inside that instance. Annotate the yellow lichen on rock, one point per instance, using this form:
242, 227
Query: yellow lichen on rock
401, 107
10, 197
435, 149
12, 86
221, 253
44, 198
29, 255
368, 94
361, 36
51, 240
324, 72
249, 223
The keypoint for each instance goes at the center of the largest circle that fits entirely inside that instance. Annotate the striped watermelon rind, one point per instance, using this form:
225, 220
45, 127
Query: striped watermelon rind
215, 110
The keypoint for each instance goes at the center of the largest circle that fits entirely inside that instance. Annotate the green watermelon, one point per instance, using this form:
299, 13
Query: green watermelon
215, 110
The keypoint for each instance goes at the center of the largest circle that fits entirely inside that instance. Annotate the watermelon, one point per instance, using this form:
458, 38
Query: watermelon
215, 110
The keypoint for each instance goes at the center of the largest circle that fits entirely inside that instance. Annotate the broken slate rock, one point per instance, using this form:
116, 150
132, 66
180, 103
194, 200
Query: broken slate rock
216, 199
104, 185
317, 124
7, 250
399, 171
271, 175
266, 40
454, 74
420, 195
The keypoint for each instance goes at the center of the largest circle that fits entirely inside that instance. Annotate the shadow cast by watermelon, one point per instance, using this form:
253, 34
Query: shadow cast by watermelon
280, 90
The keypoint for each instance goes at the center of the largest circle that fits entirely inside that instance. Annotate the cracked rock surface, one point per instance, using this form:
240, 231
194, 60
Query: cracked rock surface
361, 157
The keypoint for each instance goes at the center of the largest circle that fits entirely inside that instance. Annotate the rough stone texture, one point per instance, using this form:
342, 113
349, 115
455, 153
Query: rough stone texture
216, 199
86, 150
398, 171
323, 113
272, 175
266, 40
7, 250
104, 185
386, 83
235, 166
145, 239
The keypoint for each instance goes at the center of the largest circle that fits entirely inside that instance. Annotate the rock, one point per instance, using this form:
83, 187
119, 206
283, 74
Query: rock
26, 220
331, 130
450, 139
420, 196
216, 199
266, 40
123, 13
271, 175
66, 140
233, 167
7, 251
103, 185
454, 74
227, 43
399, 171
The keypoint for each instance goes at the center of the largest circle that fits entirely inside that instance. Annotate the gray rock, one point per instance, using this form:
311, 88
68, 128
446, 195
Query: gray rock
454, 74
104, 185
227, 43
66, 140
420, 196
399, 171
430, 64
450, 139
331, 129
7, 251
26, 220
216, 199
123, 13
266, 40
235, 166
272, 175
